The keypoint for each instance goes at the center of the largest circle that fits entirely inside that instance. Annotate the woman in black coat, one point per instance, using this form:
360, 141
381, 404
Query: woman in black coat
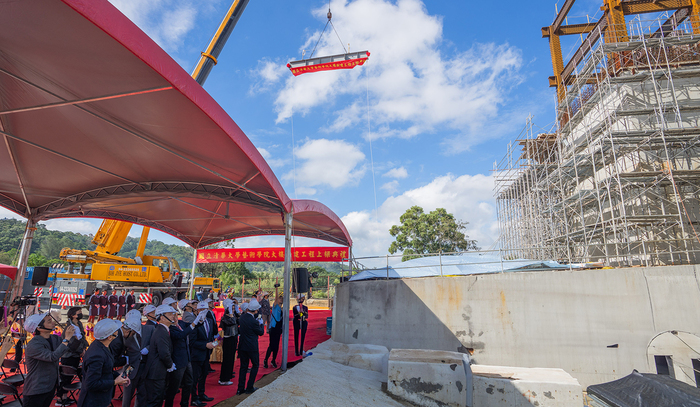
99, 378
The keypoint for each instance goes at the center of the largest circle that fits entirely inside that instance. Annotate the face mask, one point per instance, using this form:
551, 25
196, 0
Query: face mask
79, 317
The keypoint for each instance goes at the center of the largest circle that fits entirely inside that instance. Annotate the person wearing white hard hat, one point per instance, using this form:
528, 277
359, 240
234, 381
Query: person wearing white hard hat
229, 326
181, 378
248, 353
170, 301
201, 343
160, 357
99, 378
149, 311
133, 346
42, 355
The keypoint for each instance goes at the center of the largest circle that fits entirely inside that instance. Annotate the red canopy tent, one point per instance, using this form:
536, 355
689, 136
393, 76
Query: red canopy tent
8, 271
98, 121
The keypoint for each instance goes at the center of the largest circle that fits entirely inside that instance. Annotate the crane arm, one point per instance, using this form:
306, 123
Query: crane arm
209, 57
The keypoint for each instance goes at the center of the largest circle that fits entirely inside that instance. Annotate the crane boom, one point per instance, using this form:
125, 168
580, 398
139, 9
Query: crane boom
210, 55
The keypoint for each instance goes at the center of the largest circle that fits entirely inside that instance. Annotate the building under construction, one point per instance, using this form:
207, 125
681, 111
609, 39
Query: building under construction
618, 179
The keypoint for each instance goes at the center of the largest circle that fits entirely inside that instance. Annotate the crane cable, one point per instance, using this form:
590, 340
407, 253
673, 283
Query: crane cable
330, 16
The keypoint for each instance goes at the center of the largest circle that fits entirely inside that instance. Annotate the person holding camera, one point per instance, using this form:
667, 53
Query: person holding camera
99, 378
248, 352
42, 355
73, 356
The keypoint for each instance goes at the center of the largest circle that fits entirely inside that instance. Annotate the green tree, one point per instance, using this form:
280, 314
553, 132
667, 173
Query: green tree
434, 232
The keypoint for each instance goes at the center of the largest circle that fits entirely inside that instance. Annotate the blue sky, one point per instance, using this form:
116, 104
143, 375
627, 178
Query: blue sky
447, 86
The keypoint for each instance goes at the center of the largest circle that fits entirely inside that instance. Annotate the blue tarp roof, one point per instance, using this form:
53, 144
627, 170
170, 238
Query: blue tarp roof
464, 264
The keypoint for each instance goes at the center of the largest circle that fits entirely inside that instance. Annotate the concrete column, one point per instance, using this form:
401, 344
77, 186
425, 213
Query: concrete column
23, 258
285, 304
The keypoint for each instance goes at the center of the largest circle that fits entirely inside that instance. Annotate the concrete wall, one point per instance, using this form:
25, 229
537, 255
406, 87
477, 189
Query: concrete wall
595, 324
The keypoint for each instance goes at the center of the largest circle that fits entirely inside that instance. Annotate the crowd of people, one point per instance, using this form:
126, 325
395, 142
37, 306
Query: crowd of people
152, 360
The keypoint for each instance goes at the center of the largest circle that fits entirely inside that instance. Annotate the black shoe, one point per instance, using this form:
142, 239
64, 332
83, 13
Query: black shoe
211, 371
265, 364
204, 397
274, 364
251, 391
197, 403
239, 392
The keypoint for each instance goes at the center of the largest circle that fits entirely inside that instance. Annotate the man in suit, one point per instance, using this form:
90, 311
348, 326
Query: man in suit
200, 344
130, 301
160, 358
99, 378
212, 320
146, 331
126, 349
182, 376
249, 331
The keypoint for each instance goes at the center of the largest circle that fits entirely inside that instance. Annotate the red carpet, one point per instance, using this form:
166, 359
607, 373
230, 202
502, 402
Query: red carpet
315, 334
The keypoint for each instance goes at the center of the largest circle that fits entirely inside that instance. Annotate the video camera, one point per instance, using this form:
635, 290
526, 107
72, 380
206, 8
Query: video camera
24, 301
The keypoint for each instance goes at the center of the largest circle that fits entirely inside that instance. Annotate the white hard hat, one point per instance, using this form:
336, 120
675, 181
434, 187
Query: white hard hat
183, 303
169, 301
32, 322
148, 309
133, 321
254, 305
162, 309
244, 306
227, 304
134, 313
202, 305
105, 328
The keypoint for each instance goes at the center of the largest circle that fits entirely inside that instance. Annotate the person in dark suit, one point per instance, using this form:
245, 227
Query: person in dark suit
301, 314
103, 305
121, 300
160, 358
113, 301
94, 305
200, 345
214, 332
132, 351
130, 301
229, 326
149, 311
249, 331
99, 378
182, 376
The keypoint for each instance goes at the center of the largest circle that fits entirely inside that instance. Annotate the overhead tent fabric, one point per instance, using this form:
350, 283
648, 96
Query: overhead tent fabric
455, 265
98, 121
8, 271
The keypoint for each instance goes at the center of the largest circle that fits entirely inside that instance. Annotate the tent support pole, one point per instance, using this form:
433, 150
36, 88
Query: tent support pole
23, 258
285, 304
194, 266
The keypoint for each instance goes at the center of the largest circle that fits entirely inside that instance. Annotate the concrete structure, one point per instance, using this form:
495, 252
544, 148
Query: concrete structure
500, 386
430, 378
361, 356
618, 180
597, 325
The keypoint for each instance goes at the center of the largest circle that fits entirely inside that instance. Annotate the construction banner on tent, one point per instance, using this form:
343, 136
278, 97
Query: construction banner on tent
305, 254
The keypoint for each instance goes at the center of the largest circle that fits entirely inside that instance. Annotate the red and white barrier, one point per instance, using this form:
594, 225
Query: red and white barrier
68, 300
145, 298
38, 291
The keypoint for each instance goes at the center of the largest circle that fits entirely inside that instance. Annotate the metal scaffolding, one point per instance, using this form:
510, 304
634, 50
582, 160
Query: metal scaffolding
617, 181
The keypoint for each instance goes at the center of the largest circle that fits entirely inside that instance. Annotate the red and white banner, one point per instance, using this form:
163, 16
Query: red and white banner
145, 298
68, 300
305, 254
328, 66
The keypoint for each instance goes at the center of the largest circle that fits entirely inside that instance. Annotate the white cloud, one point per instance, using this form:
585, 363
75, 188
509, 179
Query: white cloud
390, 187
84, 226
332, 163
468, 197
396, 173
167, 22
414, 86
6, 213
272, 162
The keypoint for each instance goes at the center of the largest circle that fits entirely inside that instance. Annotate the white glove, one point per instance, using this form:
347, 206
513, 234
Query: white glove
144, 351
77, 333
215, 343
127, 360
200, 318
260, 320
172, 368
